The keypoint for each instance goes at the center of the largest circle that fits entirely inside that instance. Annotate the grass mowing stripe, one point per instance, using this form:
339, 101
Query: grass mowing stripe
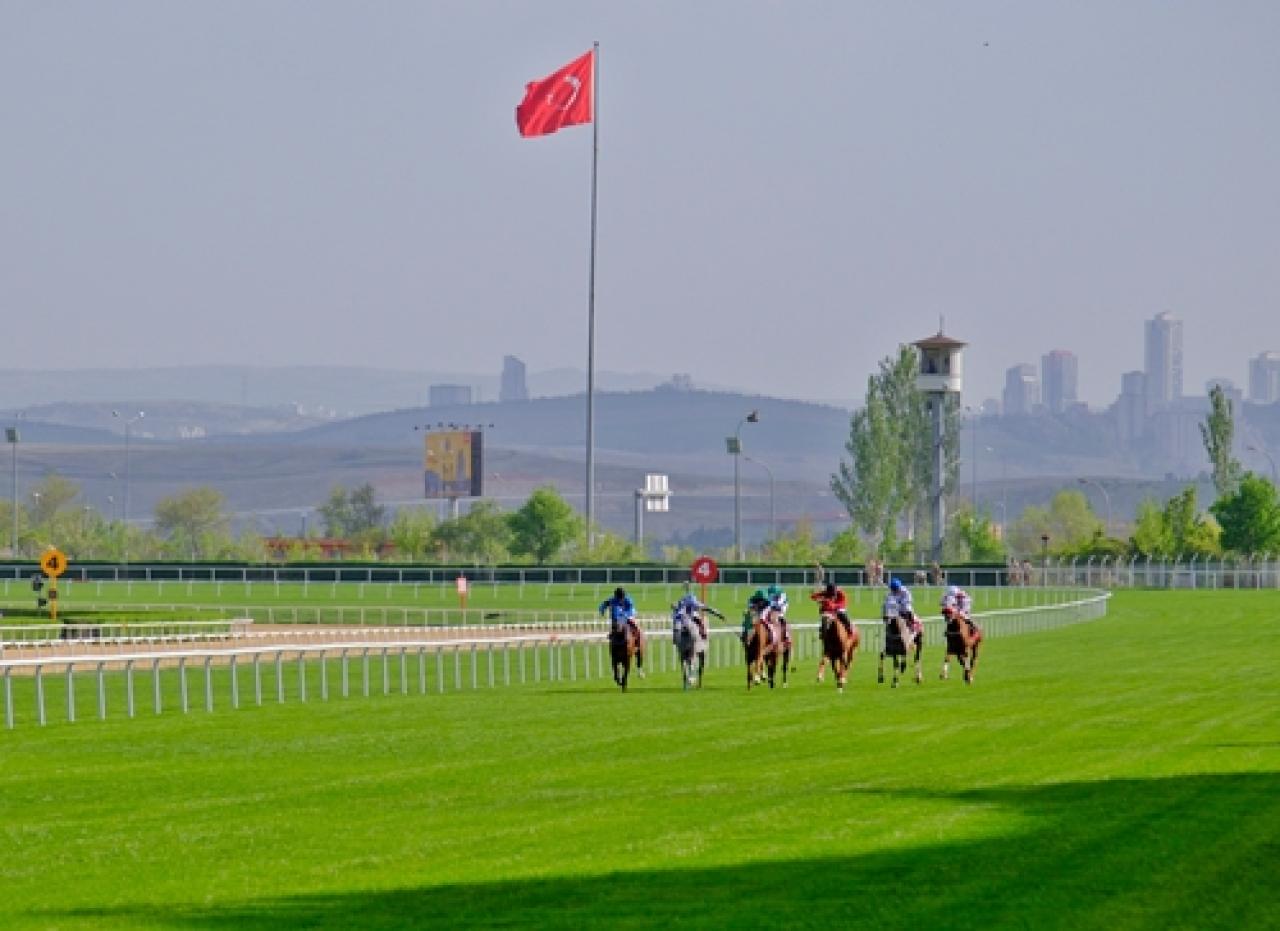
1121, 773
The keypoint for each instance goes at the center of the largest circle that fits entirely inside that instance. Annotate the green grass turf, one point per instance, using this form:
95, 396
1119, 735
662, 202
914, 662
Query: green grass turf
1122, 773
375, 603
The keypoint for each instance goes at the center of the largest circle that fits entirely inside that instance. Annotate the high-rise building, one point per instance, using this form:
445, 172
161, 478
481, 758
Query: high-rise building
1058, 380
1021, 393
1163, 361
1264, 378
448, 395
514, 385
1131, 407
1021, 389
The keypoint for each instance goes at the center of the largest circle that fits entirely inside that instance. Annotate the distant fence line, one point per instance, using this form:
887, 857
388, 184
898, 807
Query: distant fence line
303, 672
1262, 571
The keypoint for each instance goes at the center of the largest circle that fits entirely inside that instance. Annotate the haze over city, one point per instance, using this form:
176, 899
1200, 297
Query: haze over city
786, 191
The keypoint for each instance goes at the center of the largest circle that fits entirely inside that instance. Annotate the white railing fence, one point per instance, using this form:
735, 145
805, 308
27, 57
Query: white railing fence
303, 672
1255, 571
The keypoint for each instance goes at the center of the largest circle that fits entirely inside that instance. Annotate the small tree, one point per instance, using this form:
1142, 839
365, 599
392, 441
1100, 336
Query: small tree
190, 520
1218, 431
1250, 517
411, 531
543, 525
482, 534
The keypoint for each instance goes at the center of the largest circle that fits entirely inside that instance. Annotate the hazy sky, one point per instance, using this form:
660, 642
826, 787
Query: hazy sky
787, 190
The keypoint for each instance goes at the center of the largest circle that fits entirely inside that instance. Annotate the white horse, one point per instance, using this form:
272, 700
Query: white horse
691, 646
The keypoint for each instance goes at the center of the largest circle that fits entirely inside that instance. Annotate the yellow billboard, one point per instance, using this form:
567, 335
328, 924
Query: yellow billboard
453, 464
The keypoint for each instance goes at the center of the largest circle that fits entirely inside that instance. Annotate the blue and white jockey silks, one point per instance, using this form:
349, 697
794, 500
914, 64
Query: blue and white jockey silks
902, 597
687, 608
620, 610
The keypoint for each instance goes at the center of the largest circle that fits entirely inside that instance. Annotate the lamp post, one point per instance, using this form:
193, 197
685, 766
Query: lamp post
1256, 449
1105, 496
734, 443
773, 511
973, 466
11, 434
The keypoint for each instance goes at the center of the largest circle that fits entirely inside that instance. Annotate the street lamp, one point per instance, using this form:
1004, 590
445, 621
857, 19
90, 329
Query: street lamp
734, 445
973, 466
773, 511
1274, 479
11, 434
128, 422
1106, 497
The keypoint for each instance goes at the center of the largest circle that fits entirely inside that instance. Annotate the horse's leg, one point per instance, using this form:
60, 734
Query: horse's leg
880, 669
822, 664
946, 664
918, 664
786, 665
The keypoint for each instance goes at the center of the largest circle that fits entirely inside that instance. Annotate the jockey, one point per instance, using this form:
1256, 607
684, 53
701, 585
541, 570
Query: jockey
895, 620
622, 611
906, 612
957, 600
902, 595
833, 600
778, 608
758, 603
691, 608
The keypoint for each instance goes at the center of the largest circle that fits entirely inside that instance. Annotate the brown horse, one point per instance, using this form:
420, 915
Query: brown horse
625, 642
963, 638
764, 648
838, 646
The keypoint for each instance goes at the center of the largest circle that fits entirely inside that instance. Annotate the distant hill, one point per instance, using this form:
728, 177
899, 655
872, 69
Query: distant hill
321, 391
656, 428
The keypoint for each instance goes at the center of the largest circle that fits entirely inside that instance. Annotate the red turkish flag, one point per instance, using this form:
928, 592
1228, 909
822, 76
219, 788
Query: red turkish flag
558, 100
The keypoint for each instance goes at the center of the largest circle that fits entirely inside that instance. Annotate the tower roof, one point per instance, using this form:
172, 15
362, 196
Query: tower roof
939, 341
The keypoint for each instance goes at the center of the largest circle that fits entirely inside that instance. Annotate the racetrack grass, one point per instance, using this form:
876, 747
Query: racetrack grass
1119, 773
387, 603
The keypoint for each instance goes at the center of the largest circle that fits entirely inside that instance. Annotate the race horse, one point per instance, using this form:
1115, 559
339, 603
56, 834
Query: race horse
901, 637
838, 646
765, 646
691, 645
625, 643
963, 639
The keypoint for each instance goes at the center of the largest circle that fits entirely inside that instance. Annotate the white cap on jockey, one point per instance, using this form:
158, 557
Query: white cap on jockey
953, 591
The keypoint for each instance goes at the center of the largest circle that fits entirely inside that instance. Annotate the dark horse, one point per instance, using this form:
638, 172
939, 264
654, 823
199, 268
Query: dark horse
963, 640
765, 646
901, 636
838, 646
624, 643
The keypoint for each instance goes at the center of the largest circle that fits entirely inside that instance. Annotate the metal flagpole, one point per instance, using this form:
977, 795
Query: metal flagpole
591, 295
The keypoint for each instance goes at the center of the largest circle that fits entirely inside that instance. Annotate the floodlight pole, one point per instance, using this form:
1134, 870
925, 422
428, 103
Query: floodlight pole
753, 417
11, 434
